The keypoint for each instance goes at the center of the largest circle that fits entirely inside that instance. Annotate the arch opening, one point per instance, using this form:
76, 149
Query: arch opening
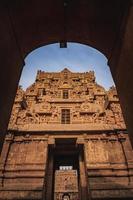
65, 122
76, 57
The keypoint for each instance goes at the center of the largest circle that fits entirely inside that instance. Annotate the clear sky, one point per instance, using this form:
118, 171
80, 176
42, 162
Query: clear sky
76, 57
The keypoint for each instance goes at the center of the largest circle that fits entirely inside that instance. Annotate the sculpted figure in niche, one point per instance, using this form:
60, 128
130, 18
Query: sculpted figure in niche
21, 118
96, 117
87, 118
37, 118
55, 113
55, 94
100, 100
119, 119
86, 105
115, 107
110, 117
73, 95
75, 115
43, 119
102, 117
90, 118
46, 107
31, 117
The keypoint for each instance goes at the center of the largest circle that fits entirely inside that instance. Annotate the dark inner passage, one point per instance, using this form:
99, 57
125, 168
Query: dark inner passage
66, 161
66, 177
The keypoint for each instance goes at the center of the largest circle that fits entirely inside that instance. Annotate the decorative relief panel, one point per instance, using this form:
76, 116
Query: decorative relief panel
96, 152
104, 151
27, 152
89, 102
66, 185
116, 153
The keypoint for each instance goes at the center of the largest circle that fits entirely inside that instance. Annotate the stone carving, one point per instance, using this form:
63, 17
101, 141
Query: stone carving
36, 141
34, 105
66, 185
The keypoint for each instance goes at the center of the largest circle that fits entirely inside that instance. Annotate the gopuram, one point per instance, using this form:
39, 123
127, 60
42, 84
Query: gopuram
66, 140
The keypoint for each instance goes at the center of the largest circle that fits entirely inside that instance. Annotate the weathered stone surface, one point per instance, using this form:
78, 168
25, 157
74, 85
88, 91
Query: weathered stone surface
66, 181
94, 121
89, 103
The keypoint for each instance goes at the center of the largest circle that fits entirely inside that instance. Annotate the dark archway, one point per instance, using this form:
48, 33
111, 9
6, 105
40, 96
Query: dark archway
104, 25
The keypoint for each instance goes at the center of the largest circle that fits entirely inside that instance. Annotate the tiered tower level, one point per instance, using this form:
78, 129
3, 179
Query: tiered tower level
89, 106
66, 140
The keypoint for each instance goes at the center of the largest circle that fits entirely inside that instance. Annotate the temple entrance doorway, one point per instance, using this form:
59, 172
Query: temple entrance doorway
66, 171
66, 175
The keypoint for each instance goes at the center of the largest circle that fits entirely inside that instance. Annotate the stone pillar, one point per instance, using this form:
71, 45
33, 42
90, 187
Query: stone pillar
83, 177
11, 63
128, 152
4, 156
121, 65
49, 173
49, 178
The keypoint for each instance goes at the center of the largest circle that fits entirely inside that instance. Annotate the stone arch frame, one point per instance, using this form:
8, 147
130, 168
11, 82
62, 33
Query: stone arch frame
85, 21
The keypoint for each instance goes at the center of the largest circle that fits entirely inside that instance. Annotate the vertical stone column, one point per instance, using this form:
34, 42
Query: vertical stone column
4, 156
49, 193
49, 178
83, 176
121, 65
128, 152
11, 62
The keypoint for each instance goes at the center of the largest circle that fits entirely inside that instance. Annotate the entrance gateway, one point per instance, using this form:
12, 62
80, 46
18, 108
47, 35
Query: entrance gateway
65, 171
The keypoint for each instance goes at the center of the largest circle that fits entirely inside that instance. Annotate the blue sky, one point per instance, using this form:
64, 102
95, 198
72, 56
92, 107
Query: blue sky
76, 57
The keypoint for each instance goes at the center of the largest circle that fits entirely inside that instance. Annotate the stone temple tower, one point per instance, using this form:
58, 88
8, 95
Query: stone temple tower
66, 140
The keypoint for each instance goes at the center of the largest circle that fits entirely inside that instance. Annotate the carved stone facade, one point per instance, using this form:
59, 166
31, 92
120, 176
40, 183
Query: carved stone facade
66, 140
66, 183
